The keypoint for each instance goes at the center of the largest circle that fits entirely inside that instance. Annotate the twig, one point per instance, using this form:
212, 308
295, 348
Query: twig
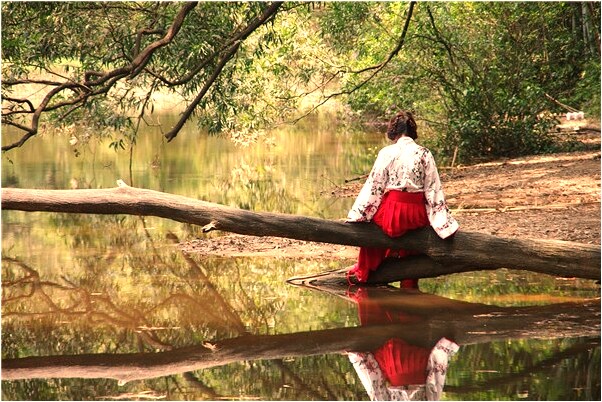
567, 107
522, 207
364, 176
377, 68
454, 159
266, 16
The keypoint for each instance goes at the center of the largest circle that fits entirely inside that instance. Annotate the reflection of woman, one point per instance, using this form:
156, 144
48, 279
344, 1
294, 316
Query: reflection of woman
402, 192
399, 370
408, 374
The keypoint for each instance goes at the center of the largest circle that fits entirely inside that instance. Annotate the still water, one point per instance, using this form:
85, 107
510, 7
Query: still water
109, 308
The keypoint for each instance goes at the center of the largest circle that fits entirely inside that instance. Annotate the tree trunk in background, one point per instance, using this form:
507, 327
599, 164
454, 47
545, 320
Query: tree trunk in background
462, 252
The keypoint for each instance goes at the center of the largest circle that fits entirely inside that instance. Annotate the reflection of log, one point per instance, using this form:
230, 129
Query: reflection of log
464, 251
469, 324
194, 382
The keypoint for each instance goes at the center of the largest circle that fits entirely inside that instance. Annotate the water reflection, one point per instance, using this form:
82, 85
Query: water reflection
63, 330
284, 172
399, 370
412, 363
140, 312
108, 307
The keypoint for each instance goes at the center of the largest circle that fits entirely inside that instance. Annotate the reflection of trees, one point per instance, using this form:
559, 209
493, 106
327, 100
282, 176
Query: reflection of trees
258, 189
59, 300
68, 299
576, 351
196, 383
69, 309
470, 327
229, 315
187, 305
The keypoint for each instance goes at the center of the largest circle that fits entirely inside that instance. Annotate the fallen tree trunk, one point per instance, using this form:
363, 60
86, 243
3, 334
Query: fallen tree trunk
464, 251
468, 325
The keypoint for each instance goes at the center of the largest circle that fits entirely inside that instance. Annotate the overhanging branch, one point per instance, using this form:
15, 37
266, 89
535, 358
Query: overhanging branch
267, 15
375, 68
100, 82
95, 79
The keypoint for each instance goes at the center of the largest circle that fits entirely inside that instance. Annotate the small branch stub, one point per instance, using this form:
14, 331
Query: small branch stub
210, 226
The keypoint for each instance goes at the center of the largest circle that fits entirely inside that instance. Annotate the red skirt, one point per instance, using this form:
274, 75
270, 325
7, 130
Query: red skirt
399, 211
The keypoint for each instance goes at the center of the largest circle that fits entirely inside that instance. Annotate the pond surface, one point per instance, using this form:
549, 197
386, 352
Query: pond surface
109, 308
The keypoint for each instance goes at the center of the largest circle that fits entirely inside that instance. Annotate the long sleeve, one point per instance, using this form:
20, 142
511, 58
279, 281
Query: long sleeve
369, 199
405, 166
370, 375
437, 211
437, 368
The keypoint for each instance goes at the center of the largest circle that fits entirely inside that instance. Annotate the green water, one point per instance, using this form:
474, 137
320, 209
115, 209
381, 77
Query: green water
112, 286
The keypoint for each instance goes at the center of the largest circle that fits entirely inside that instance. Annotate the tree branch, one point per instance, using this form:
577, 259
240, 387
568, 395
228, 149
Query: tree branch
267, 15
17, 100
144, 56
397, 49
377, 68
103, 80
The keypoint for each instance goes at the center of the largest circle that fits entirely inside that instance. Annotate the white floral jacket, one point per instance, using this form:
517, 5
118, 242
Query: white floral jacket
373, 379
406, 166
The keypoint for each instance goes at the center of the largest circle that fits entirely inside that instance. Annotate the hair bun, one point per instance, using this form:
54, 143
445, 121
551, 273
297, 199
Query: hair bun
402, 123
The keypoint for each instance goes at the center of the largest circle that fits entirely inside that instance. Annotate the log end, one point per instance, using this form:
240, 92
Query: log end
336, 277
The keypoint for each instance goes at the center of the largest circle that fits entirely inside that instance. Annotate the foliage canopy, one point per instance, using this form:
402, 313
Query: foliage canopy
479, 75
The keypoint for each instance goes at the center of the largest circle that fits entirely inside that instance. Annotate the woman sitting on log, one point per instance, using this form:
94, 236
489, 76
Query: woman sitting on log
403, 192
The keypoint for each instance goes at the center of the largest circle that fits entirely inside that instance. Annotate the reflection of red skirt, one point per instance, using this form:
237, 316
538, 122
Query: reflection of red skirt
374, 312
402, 363
398, 212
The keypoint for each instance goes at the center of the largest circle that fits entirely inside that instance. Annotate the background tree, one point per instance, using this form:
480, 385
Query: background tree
479, 75
476, 73
106, 60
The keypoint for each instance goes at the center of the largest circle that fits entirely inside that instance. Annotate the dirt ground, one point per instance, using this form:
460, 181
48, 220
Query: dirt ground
553, 196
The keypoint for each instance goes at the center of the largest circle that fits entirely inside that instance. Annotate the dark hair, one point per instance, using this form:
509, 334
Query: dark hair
402, 123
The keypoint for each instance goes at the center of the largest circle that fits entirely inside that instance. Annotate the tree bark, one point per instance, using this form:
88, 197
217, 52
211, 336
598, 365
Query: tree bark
466, 323
462, 252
